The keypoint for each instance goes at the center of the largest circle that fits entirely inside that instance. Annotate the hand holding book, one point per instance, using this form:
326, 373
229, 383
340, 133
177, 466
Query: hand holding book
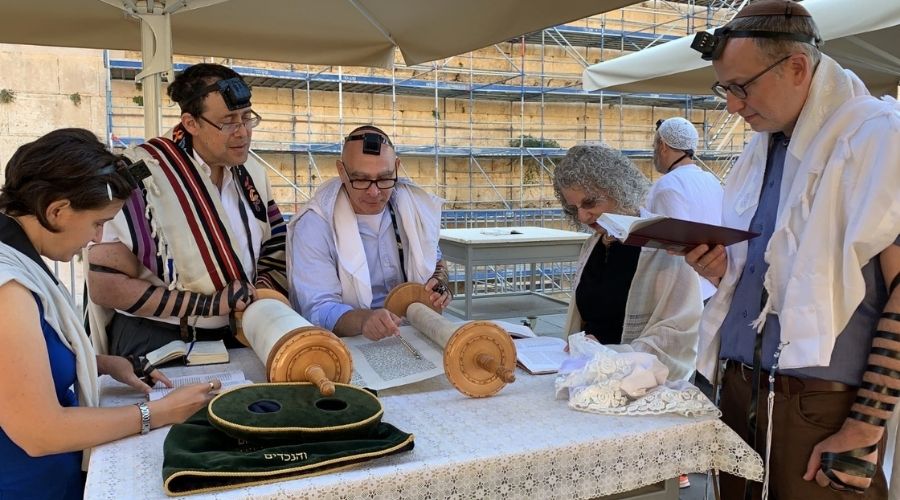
676, 235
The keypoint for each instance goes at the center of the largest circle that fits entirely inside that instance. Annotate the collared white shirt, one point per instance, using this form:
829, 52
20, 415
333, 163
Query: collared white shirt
689, 193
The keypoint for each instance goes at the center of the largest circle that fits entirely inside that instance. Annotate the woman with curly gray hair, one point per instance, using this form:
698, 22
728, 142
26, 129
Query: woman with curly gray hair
629, 298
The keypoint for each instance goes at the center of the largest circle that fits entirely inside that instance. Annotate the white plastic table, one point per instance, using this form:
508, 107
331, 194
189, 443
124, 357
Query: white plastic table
509, 245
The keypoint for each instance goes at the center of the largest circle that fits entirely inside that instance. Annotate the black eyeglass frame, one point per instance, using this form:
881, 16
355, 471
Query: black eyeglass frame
249, 123
740, 90
367, 183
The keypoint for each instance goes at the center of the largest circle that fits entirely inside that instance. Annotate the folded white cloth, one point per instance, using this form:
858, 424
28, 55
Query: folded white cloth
598, 379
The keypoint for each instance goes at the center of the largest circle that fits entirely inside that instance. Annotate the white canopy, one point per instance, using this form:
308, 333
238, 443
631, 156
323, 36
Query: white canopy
331, 32
860, 34
328, 32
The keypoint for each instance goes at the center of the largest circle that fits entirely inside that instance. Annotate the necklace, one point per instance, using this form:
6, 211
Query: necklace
607, 239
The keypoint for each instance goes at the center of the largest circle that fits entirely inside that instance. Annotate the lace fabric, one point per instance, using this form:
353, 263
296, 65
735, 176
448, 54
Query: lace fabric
598, 379
519, 444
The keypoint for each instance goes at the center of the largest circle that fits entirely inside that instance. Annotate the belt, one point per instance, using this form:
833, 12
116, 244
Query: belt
787, 384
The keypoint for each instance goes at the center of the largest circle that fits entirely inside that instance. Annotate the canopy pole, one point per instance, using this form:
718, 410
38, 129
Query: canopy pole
156, 48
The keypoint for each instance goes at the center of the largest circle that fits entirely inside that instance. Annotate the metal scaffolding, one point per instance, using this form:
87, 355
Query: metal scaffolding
499, 117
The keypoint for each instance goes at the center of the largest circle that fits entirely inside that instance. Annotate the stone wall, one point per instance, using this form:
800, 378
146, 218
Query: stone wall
51, 88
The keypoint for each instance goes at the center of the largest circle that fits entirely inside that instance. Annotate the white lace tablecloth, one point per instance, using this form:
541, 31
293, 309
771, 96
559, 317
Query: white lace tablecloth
521, 443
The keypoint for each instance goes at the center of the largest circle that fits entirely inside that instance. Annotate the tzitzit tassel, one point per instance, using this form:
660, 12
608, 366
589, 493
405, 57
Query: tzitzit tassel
770, 404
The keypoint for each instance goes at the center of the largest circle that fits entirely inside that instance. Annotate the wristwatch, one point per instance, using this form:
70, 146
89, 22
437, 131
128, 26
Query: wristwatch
145, 417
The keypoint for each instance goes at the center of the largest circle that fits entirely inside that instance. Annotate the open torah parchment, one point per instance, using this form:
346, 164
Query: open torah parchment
389, 363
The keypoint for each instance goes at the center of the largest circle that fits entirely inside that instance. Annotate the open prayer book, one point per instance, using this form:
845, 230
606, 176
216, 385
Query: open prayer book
203, 352
515, 330
658, 231
229, 379
539, 355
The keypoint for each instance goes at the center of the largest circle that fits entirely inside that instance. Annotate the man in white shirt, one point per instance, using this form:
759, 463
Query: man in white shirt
684, 191
362, 234
200, 234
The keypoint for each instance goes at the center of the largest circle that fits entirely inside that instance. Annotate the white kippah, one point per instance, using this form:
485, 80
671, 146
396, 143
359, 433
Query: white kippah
678, 133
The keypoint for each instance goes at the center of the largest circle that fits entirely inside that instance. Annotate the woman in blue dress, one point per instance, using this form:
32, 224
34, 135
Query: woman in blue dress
58, 192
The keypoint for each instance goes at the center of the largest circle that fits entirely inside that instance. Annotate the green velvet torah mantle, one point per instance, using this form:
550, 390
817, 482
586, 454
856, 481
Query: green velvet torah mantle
200, 457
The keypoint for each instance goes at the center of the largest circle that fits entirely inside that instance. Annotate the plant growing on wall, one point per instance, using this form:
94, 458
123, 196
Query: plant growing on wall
75, 98
531, 166
530, 141
138, 99
7, 96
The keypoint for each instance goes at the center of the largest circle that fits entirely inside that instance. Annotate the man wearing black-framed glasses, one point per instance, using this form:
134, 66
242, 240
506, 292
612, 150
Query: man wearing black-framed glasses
201, 233
362, 234
807, 311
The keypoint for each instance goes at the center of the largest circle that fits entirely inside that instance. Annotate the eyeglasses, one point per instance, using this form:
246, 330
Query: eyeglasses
364, 184
740, 91
249, 122
586, 204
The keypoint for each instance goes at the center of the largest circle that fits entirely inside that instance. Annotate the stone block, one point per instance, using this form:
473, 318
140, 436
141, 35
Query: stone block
84, 75
29, 72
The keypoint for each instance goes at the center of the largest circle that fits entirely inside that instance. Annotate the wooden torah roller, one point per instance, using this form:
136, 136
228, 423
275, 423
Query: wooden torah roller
292, 349
295, 411
479, 356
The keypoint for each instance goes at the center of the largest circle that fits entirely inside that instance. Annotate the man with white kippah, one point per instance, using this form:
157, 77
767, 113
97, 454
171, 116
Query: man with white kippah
685, 191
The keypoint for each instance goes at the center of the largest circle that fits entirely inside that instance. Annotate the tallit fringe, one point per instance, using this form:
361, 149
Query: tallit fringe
163, 249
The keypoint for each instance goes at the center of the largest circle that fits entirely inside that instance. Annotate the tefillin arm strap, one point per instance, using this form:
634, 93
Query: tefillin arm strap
851, 462
399, 241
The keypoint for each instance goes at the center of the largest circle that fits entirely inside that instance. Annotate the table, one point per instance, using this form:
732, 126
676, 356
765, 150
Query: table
521, 443
509, 245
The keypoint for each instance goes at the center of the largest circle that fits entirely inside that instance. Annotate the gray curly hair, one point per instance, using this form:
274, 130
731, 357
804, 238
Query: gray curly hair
602, 172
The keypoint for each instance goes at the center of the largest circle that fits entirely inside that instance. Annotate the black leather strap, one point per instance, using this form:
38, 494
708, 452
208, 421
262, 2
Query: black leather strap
142, 368
162, 303
141, 301
97, 268
868, 419
887, 335
890, 315
874, 403
850, 463
880, 389
888, 353
883, 371
399, 240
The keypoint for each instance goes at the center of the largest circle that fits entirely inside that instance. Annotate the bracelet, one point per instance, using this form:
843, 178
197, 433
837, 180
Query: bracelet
145, 417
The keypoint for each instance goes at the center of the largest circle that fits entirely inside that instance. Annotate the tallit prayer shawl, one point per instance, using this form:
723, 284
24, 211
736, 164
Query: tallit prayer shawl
662, 312
419, 217
59, 312
180, 233
839, 208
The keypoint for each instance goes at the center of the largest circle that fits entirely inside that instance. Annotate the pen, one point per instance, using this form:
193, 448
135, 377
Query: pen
188, 353
409, 347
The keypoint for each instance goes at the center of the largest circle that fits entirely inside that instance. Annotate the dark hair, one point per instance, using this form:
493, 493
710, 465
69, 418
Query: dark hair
192, 81
61, 165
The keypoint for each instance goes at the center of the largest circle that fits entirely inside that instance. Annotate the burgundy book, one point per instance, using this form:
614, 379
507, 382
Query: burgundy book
671, 234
